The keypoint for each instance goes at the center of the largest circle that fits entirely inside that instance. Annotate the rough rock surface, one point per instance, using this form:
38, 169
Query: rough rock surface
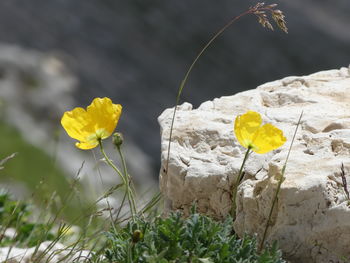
311, 220
46, 252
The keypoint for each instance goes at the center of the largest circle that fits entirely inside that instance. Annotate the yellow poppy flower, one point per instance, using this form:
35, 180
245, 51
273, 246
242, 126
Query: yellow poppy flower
89, 126
261, 139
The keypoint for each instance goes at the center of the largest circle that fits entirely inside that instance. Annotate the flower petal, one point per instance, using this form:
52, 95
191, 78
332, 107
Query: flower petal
245, 127
86, 145
268, 138
104, 115
97, 122
77, 124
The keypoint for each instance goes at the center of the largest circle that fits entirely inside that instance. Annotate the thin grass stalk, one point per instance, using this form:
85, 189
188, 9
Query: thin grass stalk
51, 254
91, 251
156, 198
48, 205
110, 213
93, 235
66, 200
123, 218
282, 178
64, 227
106, 194
46, 251
151, 203
71, 247
81, 240
184, 81
53, 219
8, 254
120, 207
7, 224
84, 235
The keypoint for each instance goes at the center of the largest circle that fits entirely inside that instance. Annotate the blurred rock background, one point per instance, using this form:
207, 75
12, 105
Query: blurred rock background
59, 54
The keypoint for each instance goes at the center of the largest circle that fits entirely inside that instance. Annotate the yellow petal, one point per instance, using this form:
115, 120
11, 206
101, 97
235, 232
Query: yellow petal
97, 122
104, 115
86, 145
77, 124
268, 138
246, 126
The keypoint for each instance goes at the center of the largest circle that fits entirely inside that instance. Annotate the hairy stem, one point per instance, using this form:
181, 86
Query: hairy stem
124, 178
238, 180
129, 188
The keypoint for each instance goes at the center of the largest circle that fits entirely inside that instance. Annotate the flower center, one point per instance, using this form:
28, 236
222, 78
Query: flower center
250, 144
100, 134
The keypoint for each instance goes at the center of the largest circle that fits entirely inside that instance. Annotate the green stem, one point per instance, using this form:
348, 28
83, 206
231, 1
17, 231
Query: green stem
282, 178
110, 163
129, 188
238, 180
129, 256
123, 177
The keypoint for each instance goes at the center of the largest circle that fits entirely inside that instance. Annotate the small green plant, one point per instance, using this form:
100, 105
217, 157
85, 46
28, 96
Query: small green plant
196, 239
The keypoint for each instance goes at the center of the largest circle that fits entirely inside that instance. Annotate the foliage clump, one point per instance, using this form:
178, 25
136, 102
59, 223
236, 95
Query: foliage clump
196, 239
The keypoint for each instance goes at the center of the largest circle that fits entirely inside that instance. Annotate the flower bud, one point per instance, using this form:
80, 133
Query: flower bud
137, 236
118, 139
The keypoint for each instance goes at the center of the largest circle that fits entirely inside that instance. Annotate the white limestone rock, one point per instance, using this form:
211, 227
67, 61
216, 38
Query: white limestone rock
311, 220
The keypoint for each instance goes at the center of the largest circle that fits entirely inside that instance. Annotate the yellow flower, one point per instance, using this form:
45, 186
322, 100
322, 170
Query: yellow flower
261, 139
89, 126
